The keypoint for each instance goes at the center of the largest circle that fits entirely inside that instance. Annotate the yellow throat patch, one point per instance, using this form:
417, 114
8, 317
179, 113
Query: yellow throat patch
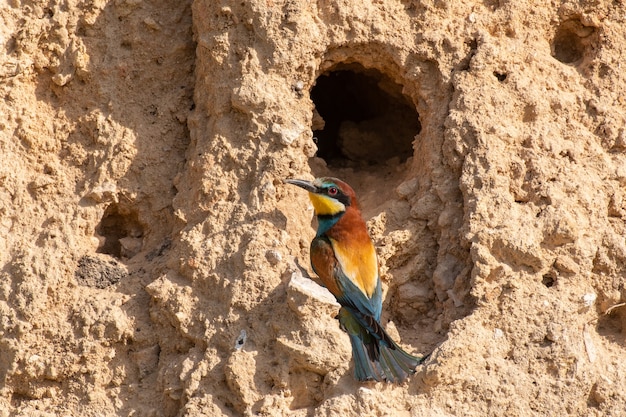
326, 206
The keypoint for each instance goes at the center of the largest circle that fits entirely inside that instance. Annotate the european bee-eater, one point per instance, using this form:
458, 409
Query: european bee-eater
343, 256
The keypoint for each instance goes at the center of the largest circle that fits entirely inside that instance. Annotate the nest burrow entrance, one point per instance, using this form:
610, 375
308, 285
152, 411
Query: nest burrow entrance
362, 117
120, 231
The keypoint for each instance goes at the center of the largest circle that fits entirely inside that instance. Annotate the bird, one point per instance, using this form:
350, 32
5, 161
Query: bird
344, 258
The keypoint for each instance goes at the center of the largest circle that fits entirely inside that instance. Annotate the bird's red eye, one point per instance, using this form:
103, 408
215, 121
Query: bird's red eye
332, 191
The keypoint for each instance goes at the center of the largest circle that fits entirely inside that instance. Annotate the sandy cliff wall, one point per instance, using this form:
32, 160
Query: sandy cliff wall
153, 263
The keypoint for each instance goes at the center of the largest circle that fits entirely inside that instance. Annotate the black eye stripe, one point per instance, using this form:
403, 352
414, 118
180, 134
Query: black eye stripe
336, 193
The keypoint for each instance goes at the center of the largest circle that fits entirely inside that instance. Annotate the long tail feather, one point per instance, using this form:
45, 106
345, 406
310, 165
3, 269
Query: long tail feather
364, 369
376, 356
397, 365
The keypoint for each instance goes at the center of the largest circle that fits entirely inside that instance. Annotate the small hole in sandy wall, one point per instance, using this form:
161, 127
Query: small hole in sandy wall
120, 232
573, 41
612, 324
549, 279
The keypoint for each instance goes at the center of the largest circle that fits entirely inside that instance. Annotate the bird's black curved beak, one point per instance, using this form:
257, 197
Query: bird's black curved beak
307, 185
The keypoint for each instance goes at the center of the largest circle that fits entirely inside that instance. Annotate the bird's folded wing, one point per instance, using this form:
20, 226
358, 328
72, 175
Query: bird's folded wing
357, 258
344, 288
325, 264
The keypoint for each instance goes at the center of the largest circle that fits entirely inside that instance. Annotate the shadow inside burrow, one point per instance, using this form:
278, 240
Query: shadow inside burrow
126, 142
611, 325
362, 118
575, 44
